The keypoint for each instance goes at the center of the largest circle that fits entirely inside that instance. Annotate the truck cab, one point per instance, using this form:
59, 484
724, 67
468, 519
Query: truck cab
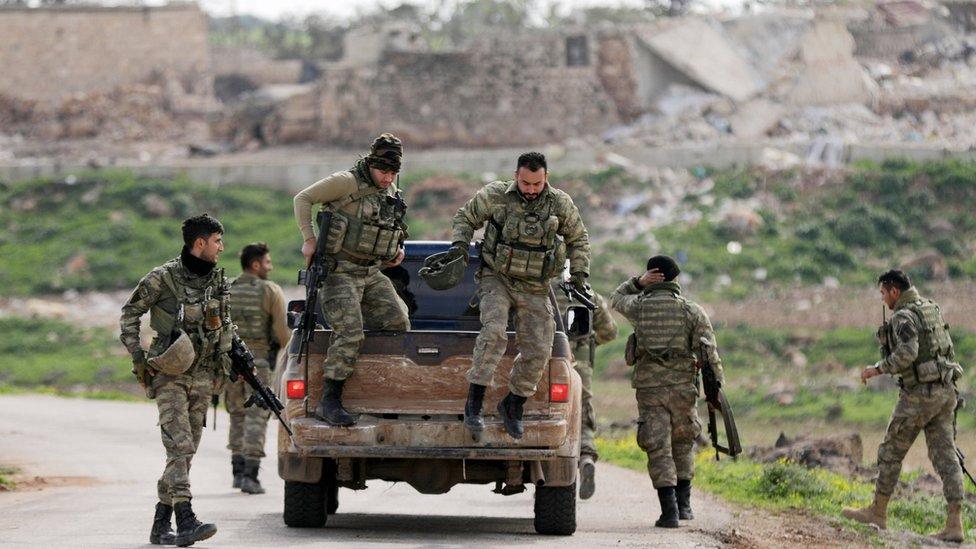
409, 391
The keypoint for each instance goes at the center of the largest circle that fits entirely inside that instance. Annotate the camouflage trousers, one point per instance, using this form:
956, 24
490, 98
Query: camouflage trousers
667, 427
588, 417
926, 408
534, 331
182, 401
354, 298
248, 426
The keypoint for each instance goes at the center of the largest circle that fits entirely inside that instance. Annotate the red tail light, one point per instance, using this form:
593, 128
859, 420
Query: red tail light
296, 388
558, 392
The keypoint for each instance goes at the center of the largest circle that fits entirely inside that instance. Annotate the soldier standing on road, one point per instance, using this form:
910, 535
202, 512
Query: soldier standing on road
669, 331
258, 310
366, 235
530, 230
918, 350
604, 330
187, 302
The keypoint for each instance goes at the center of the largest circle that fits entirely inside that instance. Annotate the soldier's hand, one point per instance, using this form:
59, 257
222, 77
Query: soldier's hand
652, 276
458, 250
141, 369
578, 280
868, 373
308, 250
396, 259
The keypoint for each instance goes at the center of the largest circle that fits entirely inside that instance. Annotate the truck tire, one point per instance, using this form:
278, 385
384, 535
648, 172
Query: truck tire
305, 504
555, 510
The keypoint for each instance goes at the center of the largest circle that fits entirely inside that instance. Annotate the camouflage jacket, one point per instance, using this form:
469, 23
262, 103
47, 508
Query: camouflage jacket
671, 331
161, 292
604, 327
496, 201
903, 337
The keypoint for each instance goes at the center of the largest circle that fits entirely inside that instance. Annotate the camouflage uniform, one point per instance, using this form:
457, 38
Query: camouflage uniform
526, 243
367, 231
921, 355
669, 329
258, 310
182, 399
604, 330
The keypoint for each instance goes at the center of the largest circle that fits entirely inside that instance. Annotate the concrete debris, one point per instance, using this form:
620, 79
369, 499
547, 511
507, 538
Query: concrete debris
830, 74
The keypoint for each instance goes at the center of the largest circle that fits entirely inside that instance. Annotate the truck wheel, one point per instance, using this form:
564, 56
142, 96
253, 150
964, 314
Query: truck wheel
305, 504
332, 498
555, 510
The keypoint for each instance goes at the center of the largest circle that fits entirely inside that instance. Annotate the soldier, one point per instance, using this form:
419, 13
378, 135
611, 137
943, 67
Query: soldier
258, 310
187, 302
917, 350
366, 235
531, 229
669, 331
604, 330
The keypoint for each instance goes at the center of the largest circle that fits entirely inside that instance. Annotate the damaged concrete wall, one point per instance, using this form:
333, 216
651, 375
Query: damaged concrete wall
499, 91
830, 74
51, 53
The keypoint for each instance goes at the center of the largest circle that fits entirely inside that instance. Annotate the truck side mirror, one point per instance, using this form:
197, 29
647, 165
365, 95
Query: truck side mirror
295, 310
578, 322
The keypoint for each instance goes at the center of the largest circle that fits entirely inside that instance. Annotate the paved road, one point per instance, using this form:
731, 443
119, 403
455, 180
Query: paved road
100, 460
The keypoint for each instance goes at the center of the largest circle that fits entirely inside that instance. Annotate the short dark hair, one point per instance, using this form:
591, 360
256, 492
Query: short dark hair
895, 278
667, 266
200, 226
532, 161
253, 252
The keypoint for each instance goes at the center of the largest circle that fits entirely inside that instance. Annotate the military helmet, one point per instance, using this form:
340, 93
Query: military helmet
440, 274
385, 152
177, 359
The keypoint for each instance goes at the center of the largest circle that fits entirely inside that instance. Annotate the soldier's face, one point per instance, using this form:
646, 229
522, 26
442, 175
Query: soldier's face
209, 248
530, 183
889, 295
382, 178
262, 267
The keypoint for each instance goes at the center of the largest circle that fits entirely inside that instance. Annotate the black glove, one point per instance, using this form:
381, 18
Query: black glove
578, 281
458, 250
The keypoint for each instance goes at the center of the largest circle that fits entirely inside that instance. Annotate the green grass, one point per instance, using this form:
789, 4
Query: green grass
6, 483
784, 485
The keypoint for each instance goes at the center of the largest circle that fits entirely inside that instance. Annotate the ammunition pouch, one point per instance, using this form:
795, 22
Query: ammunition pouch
354, 236
630, 351
525, 248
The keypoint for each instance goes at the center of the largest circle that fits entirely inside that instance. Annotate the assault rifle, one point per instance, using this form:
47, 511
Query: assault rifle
715, 397
312, 278
242, 365
573, 294
960, 404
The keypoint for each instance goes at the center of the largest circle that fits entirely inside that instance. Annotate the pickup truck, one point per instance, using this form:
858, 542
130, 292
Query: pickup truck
409, 391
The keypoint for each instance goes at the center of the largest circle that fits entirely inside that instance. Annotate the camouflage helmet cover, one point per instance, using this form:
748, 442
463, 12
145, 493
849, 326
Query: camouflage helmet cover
177, 359
441, 275
385, 153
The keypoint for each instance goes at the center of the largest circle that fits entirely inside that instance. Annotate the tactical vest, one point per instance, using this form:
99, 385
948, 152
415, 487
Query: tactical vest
253, 324
663, 331
523, 243
205, 312
375, 231
934, 344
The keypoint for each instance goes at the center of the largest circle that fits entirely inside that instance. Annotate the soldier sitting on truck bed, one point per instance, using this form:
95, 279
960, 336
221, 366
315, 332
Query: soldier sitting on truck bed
530, 230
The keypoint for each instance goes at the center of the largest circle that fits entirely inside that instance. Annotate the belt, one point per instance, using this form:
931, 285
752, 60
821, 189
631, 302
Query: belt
343, 256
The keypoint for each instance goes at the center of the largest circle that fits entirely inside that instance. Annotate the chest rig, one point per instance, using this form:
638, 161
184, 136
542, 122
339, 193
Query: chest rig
663, 331
253, 324
522, 240
376, 229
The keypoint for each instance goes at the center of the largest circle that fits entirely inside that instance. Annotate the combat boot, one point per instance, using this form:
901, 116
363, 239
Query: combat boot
250, 483
682, 493
876, 513
472, 408
510, 409
587, 474
237, 467
669, 508
330, 409
188, 528
162, 528
953, 528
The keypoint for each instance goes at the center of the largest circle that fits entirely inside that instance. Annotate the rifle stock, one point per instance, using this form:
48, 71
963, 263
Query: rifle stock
312, 277
715, 397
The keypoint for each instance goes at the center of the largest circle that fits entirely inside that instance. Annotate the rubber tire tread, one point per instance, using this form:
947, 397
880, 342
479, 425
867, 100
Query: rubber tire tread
555, 510
305, 504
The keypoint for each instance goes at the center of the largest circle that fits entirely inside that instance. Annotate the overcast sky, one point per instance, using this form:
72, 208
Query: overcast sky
343, 9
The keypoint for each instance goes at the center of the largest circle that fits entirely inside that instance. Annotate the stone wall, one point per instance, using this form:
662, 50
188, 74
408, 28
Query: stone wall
49, 54
501, 90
